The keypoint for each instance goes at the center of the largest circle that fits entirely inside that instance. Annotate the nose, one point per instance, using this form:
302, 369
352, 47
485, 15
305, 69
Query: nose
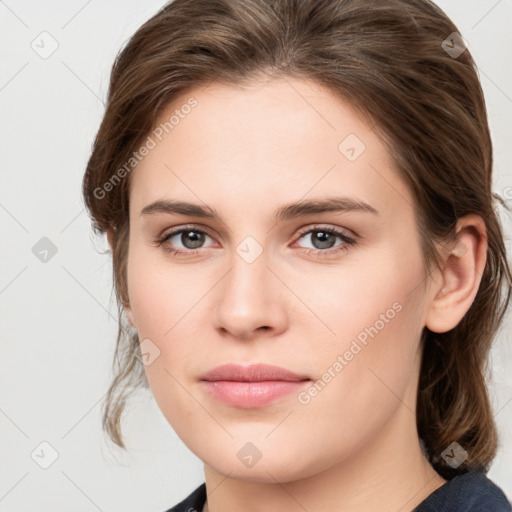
250, 301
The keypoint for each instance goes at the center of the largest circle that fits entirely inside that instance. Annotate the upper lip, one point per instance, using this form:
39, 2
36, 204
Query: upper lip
252, 373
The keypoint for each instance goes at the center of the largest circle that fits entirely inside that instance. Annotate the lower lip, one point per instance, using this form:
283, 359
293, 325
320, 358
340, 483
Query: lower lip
248, 395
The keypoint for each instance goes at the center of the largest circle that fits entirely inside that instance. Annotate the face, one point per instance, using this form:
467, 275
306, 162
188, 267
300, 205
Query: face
331, 289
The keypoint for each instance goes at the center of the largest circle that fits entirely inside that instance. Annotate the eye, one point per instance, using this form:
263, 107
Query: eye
323, 240
190, 239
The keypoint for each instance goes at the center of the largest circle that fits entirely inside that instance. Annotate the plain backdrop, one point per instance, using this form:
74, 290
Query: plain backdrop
58, 315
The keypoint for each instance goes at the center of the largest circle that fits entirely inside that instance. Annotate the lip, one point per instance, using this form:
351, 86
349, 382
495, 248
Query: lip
251, 386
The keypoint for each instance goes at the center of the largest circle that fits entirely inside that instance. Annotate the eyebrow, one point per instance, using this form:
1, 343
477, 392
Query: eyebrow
286, 212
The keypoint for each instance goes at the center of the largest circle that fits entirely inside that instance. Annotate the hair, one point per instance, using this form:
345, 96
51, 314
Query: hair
387, 59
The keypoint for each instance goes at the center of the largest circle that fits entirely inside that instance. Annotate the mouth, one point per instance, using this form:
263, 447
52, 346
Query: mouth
251, 386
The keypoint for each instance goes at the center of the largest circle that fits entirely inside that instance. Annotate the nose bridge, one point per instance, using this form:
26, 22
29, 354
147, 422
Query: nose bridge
249, 297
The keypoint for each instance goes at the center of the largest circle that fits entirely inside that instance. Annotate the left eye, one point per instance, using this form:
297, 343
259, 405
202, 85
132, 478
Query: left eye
323, 238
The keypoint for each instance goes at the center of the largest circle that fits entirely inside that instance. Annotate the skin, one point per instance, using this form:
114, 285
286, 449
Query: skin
246, 151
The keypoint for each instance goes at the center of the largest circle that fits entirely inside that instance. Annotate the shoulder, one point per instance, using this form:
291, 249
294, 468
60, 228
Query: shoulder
470, 492
194, 502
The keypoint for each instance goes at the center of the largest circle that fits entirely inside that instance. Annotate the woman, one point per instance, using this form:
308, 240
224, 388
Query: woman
308, 264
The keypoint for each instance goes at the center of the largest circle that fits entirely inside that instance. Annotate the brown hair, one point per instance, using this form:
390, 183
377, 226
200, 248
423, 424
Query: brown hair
387, 59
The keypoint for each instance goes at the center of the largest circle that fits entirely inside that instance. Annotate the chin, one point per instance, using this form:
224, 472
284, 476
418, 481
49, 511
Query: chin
273, 466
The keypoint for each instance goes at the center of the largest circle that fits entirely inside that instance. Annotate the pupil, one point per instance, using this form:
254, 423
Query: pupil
321, 241
192, 239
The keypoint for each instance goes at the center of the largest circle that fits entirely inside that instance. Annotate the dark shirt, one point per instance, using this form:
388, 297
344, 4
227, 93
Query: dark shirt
470, 492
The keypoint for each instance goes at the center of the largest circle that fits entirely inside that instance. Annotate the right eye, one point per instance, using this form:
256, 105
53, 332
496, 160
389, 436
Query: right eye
190, 239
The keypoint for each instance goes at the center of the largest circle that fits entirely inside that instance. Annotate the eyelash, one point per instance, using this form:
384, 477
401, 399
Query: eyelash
347, 241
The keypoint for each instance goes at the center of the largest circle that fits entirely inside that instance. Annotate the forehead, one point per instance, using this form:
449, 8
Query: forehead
278, 140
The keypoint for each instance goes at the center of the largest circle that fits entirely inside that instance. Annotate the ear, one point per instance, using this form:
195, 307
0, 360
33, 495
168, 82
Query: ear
461, 275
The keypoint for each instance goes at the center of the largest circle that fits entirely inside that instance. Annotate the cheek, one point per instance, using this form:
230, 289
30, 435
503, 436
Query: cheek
376, 313
364, 375
377, 294
160, 300
168, 310
160, 294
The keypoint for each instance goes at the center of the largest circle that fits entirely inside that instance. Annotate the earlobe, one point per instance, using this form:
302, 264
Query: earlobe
461, 276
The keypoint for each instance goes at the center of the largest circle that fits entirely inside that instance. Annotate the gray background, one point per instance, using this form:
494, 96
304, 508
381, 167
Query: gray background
58, 317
